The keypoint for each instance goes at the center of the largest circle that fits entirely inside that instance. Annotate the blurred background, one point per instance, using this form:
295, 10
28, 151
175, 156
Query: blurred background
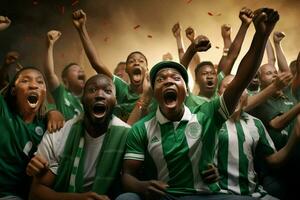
118, 27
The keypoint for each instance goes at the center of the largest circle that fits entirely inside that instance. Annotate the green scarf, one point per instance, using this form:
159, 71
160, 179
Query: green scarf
70, 172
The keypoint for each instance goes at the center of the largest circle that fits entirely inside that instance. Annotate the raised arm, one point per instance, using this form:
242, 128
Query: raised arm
270, 53
226, 65
4, 23
52, 78
201, 43
282, 62
264, 21
226, 35
282, 80
190, 34
176, 30
79, 21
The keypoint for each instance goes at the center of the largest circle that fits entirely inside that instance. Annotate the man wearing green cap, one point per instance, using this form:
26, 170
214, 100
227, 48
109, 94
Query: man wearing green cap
177, 145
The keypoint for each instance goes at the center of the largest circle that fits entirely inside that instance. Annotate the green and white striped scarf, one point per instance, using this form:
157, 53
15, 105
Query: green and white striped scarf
70, 172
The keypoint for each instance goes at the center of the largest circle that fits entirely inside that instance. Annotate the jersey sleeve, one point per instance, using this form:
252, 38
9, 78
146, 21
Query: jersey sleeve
265, 146
120, 86
135, 144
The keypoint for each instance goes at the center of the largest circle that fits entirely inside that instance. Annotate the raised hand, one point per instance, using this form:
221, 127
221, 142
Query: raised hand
4, 23
278, 36
176, 30
79, 18
283, 79
264, 20
201, 43
190, 33
53, 36
246, 15
226, 30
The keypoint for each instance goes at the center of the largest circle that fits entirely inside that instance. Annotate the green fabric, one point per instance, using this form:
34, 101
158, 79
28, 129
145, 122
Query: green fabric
272, 108
109, 160
68, 104
18, 142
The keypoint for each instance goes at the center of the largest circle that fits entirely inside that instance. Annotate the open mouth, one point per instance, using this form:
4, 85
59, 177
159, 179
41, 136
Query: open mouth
170, 98
136, 75
99, 110
210, 84
81, 77
32, 100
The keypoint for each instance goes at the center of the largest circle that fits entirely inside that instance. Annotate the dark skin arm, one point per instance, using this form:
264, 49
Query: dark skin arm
79, 21
201, 43
41, 190
151, 189
227, 63
264, 21
281, 59
296, 81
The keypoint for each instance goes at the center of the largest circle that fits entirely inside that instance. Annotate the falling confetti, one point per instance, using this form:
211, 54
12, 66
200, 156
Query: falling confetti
217, 47
149, 36
75, 2
210, 14
136, 27
188, 1
106, 39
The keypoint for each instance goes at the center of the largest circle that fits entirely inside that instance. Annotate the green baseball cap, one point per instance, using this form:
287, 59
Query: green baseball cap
168, 64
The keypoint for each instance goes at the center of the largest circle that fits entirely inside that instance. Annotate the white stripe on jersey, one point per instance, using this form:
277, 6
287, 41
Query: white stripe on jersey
233, 159
155, 149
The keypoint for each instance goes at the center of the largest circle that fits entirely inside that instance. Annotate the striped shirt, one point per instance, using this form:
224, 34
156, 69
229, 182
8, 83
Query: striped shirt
177, 152
240, 143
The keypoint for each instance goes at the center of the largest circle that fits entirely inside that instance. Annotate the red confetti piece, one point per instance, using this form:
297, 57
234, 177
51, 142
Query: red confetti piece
188, 1
75, 2
61, 9
149, 36
106, 39
210, 14
136, 27
219, 14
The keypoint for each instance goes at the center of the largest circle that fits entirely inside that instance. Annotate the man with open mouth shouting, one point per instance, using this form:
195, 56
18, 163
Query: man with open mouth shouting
134, 99
22, 125
84, 158
67, 96
177, 145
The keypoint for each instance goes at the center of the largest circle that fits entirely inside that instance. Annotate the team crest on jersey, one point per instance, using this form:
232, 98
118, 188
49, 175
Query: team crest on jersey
193, 130
39, 130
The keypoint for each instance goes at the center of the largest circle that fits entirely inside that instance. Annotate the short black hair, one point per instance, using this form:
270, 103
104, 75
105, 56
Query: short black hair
65, 70
138, 52
198, 67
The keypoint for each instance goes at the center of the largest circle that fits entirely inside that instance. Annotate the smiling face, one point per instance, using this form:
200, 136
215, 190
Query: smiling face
74, 79
29, 90
206, 79
170, 91
136, 67
99, 99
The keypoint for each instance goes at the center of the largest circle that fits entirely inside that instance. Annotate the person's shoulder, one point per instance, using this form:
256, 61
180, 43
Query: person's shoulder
115, 121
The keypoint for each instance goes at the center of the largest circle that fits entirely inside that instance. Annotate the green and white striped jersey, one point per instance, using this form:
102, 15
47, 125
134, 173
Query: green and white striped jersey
240, 143
177, 152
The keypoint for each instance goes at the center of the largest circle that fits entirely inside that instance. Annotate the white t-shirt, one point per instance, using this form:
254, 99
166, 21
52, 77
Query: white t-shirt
53, 144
